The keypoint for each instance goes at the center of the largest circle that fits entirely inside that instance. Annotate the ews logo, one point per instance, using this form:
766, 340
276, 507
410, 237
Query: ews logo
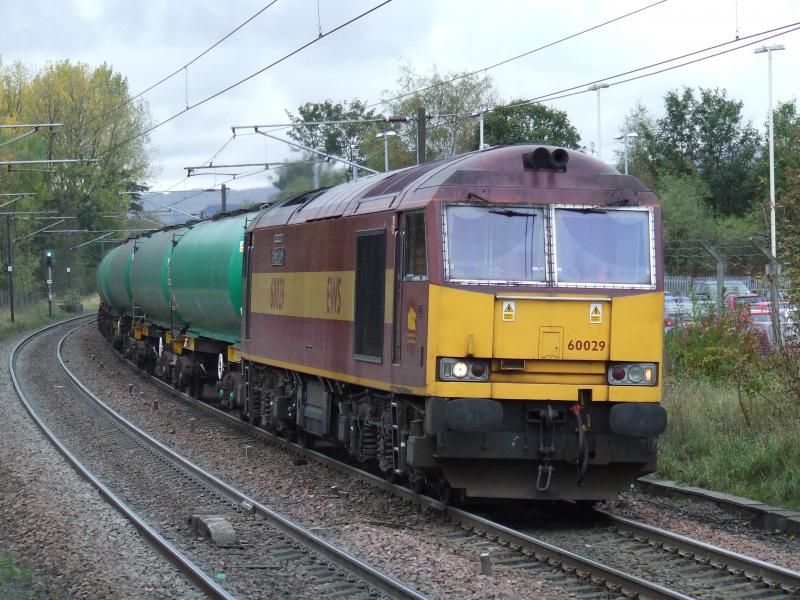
334, 295
277, 293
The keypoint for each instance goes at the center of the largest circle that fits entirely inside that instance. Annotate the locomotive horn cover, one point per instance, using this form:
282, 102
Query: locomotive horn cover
559, 159
537, 160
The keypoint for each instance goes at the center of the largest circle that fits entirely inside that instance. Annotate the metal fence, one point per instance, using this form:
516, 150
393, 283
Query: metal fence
682, 285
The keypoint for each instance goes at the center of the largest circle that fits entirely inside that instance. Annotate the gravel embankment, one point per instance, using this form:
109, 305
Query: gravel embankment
58, 525
409, 542
707, 522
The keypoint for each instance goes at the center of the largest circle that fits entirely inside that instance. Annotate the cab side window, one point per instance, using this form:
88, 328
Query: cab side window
416, 257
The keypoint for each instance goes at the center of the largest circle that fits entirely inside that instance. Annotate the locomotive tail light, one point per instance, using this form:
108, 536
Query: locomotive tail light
618, 373
463, 369
632, 374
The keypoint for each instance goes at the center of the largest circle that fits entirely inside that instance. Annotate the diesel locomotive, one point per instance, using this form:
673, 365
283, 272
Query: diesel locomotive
486, 325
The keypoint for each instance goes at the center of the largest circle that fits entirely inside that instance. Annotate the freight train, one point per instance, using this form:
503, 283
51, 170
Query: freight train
486, 325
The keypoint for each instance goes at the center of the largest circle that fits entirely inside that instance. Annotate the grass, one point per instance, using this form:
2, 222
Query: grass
15, 582
749, 446
35, 316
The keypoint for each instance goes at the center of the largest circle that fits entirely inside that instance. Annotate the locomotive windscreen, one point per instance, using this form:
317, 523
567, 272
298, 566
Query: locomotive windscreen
495, 243
603, 247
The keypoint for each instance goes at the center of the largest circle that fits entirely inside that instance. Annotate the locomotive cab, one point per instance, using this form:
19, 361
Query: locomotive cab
543, 344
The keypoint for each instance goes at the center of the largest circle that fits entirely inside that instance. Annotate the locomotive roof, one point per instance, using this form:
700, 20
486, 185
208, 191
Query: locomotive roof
496, 174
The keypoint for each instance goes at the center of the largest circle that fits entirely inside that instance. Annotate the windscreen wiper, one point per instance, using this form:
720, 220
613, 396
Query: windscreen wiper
600, 208
507, 212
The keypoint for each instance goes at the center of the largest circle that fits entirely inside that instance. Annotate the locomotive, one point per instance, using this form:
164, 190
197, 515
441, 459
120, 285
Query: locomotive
486, 325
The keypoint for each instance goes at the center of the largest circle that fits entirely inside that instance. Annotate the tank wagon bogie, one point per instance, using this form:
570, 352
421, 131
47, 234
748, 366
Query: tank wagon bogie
487, 325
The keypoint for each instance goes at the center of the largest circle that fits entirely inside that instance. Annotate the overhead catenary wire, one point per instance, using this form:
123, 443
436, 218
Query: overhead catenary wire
276, 62
196, 58
578, 89
518, 56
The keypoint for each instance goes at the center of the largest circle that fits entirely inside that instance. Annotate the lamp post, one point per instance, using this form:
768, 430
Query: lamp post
592, 88
769, 50
385, 135
630, 134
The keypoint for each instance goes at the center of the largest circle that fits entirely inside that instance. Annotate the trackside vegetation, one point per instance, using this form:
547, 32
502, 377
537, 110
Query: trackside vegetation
16, 583
733, 413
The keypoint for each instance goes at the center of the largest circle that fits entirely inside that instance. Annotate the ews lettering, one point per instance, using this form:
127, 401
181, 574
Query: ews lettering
334, 304
277, 291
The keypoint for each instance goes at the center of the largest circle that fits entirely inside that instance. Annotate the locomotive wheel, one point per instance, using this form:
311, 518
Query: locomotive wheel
307, 440
417, 485
444, 492
448, 495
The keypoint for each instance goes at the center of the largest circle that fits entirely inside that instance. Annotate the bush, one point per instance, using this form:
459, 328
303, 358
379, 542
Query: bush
719, 348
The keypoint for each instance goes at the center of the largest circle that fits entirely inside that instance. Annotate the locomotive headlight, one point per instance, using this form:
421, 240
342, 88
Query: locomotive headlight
635, 374
463, 369
460, 370
632, 374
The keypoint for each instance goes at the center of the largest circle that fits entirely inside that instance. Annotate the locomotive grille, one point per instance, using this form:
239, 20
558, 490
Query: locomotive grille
370, 290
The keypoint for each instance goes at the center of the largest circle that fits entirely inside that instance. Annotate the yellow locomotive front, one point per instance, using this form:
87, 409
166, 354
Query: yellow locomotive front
544, 337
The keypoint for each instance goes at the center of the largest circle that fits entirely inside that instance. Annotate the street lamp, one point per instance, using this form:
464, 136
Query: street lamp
769, 50
630, 134
385, 135
592, 88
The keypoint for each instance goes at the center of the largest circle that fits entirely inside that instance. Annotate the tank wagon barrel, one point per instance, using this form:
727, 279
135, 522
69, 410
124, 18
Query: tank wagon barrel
486, 325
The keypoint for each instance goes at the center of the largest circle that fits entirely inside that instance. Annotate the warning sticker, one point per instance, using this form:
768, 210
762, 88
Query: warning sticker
509, 310
595, 313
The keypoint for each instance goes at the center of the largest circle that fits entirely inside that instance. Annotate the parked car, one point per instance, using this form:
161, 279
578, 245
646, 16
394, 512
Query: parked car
760, 320
677, 311
707, 290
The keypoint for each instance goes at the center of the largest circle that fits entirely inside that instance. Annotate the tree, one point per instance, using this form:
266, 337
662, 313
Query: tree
99, 121
641, 160
338, 139
685, 218
300, 176
450, 100
708, 137
523, 123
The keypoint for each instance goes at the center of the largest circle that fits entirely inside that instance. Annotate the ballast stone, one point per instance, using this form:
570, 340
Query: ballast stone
215, 527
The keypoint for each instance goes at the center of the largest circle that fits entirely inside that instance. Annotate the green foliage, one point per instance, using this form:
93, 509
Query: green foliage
305, 175
684, 216
787, 192
704, 135
451, 97
720, 439
98, 121
528, 123
16, 582
338, 139
718, 348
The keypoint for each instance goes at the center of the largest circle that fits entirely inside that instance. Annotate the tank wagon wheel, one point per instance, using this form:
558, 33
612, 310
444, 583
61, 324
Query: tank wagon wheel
196, 388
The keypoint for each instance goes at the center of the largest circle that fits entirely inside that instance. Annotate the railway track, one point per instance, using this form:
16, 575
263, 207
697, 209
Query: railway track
264, 542
702, 570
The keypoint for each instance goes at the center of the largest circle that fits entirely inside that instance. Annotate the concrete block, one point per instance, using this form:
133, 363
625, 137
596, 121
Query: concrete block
215, 527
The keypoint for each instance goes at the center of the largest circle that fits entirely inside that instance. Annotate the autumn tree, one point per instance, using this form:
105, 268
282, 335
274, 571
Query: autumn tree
99, 121
451, 101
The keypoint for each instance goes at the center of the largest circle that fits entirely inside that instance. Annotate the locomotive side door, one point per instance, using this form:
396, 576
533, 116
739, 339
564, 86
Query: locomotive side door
409, 330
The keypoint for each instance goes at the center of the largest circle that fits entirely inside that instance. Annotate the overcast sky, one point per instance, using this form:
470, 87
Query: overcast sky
147, 40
